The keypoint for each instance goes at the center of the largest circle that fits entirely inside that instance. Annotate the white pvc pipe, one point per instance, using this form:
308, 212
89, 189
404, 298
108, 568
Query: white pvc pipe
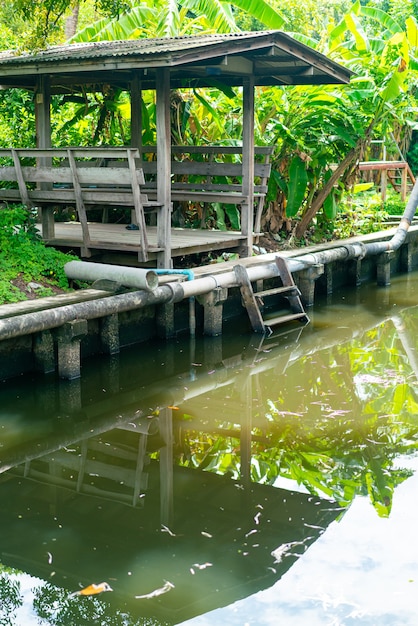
136, 277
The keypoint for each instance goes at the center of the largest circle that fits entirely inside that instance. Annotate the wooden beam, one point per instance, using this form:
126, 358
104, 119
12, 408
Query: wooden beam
81, 209
163, 167
247, 209
20, 180
139, 209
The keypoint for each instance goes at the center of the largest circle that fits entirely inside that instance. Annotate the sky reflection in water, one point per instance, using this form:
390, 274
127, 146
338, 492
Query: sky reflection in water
362, 571
336, 410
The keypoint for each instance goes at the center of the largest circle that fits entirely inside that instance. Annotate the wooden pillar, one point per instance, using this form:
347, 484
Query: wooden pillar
43, 141
164, 168
136, 112
247, 209
43, 112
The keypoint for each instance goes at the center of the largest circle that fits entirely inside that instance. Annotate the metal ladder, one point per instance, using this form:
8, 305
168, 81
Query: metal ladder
252, 299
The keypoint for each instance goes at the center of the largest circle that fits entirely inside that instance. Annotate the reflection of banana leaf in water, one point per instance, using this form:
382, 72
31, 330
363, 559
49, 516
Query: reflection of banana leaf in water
341, 463
381, 483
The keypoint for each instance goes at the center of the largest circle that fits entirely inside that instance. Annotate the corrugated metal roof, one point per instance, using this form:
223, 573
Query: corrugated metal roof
128, 47
272, 57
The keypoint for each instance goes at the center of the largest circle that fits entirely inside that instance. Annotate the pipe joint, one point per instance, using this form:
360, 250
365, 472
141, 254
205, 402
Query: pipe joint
355, 250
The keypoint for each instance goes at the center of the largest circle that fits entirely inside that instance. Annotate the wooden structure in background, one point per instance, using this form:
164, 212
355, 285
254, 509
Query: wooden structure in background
243, 60
398, 173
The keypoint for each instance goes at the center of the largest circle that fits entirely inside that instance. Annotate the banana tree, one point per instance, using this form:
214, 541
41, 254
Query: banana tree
169, 18
380, 97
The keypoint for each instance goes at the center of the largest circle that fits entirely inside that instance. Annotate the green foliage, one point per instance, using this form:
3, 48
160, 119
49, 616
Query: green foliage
24, 257
359, 215
412, 156
10, 597
312, 127
17, 119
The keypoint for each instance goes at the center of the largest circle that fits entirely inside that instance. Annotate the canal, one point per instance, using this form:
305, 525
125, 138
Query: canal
232, 480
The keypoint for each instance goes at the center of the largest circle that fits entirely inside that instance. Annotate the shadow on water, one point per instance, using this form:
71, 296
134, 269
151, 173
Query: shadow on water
193, 474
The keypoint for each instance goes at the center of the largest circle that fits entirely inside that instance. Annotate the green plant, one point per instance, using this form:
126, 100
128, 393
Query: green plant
359, 215
24, 258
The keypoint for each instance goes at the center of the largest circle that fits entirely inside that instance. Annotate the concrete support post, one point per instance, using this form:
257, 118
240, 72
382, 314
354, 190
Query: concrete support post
213, 309
68, 340
109, 334
165, 320
306, 282
44, 352
354, 271
406, 257
383, 268
328, 278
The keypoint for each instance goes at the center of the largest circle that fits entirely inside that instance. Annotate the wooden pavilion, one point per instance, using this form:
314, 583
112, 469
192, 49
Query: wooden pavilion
244, 60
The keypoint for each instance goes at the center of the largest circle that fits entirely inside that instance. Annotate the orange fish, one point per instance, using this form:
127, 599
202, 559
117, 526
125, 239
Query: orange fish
93, 590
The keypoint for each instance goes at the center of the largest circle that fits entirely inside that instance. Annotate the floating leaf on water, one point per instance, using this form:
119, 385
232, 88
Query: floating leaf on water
165, 529
92, 590
157, 592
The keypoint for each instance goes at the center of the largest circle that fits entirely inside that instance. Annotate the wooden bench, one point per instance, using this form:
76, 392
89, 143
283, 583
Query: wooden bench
80, 177
209, 174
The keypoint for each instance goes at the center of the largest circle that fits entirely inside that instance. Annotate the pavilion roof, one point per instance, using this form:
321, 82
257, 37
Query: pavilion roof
272, 57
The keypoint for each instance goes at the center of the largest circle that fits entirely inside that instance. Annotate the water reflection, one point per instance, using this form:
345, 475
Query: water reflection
201, 471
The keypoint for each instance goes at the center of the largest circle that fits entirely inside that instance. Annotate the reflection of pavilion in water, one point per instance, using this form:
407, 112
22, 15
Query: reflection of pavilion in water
95, 497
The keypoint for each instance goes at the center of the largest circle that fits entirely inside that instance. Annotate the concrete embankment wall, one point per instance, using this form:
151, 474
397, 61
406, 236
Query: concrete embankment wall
55, 334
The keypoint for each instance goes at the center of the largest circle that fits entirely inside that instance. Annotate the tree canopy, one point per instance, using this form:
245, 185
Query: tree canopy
320, 133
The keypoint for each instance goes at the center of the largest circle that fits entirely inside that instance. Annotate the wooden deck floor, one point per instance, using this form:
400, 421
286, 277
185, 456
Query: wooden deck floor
115, 237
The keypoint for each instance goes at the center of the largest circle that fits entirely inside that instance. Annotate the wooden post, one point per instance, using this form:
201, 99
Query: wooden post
247, 209
43, 141
136, 112
164, 168
404, 182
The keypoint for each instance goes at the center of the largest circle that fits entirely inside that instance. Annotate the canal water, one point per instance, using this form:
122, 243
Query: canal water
233, 481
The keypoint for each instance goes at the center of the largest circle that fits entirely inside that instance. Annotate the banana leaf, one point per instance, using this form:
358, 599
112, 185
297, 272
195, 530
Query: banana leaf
298, 182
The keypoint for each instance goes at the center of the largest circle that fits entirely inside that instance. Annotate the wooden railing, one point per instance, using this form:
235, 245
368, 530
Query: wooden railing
208, 174
86, 178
